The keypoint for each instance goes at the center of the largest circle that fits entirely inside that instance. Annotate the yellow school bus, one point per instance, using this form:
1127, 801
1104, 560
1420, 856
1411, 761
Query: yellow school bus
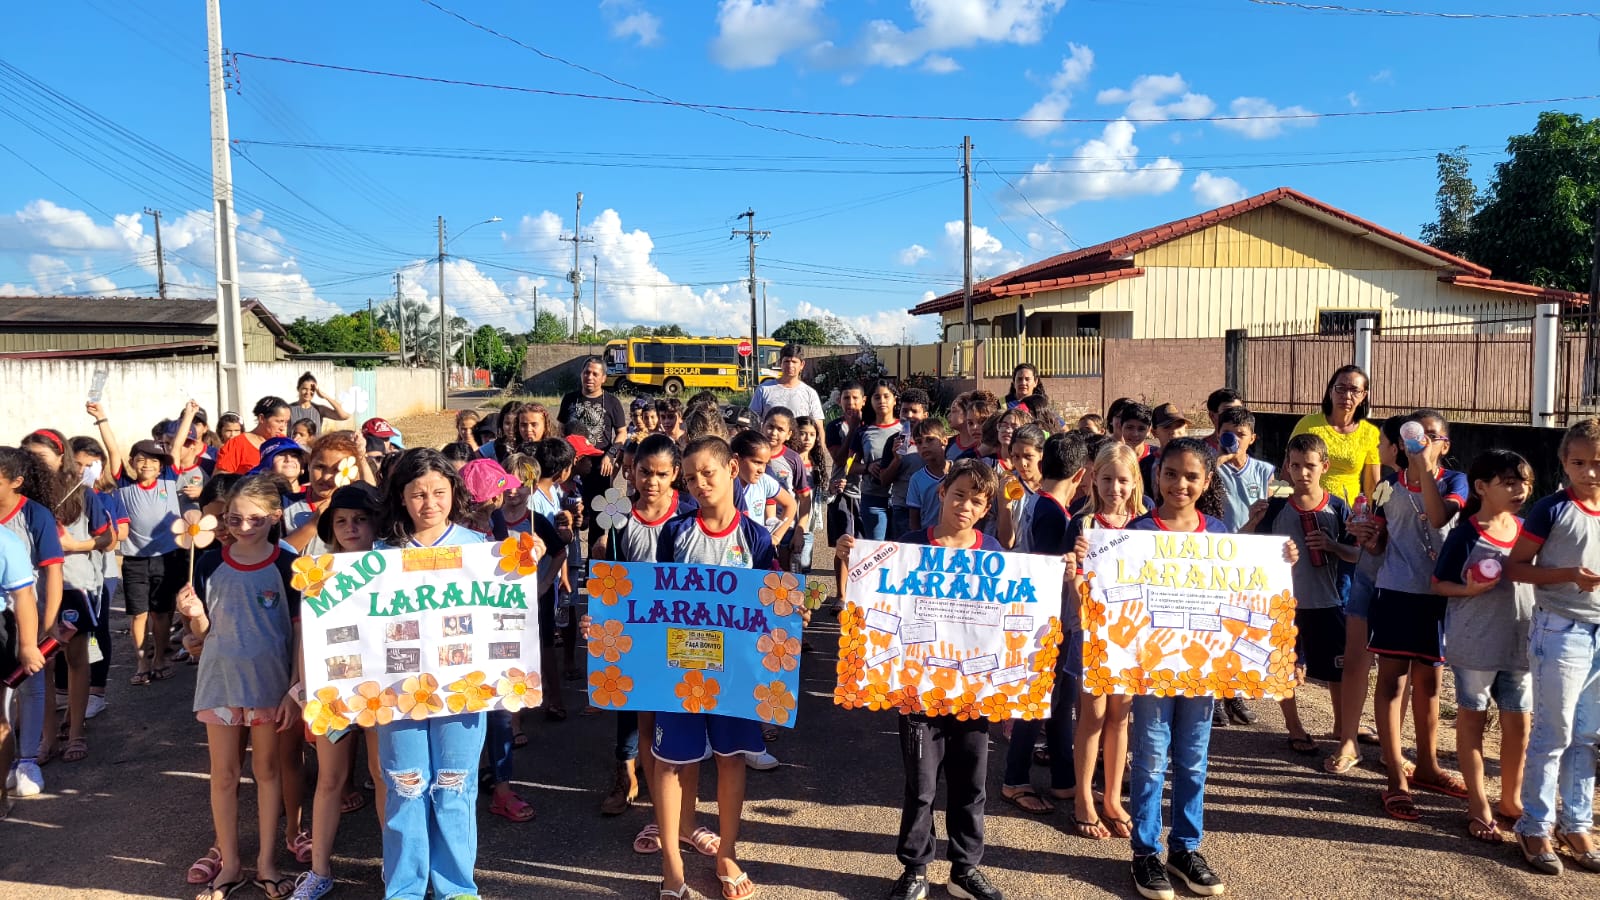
672, 365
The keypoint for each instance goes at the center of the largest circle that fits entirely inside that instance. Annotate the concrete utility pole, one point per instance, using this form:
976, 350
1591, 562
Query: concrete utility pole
230, 332
575, 274
966, 237
444, 330
535, 308
161, 262
765, 322
400, 316
370, 325
750, 234
594, 294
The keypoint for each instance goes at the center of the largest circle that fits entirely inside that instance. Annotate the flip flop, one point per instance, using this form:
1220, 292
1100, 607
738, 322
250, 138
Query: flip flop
206, 868
162, 673
648, 840
704, 841
140, 679
77, 750
737, 887
275, 890
1094, 830
1366, 735
300, 846
1305, 746
1042, 806
1485, 831
1450, 786
1122, 829
1340, 765
223, 891
1399, 805
352, 802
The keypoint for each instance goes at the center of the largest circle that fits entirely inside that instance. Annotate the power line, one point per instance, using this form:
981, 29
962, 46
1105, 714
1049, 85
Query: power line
921, 117
1416, 14
1024, 197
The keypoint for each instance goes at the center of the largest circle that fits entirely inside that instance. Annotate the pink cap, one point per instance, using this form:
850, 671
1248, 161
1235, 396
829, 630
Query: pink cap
486, 479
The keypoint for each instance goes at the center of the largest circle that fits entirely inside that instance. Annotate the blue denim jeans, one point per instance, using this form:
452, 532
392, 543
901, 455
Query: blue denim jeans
501, 736
430, 830
873, 521
1565, 658
1183, 726
627, 735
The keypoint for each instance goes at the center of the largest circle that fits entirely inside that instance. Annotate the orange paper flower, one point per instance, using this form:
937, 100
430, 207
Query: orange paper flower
609, 582
608, 642
325, 711
372, 705
519, 690
698, 693
782, 652
609, 687
419, 697
310, 573
469, 693
519, 555
774, 703
781, 591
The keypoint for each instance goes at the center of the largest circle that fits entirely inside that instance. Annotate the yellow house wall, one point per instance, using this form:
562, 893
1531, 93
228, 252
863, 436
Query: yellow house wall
1271, 238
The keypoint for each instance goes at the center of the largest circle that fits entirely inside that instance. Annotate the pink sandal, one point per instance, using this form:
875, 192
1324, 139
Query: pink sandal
704, 841
512, 807
205, 868
300, 846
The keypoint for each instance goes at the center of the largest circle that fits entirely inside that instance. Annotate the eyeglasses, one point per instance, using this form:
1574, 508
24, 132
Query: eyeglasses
242, 521
1349, 390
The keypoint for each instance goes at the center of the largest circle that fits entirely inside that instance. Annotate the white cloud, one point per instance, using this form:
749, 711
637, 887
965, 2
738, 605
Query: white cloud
1074, 71
912, 255
1217, 190
940, 64
889, 326
1262, 128
952, 24
1354, 99
1382, 76
989, 256
752, 34
629, 19
1146, 99
44, 225
1098, 169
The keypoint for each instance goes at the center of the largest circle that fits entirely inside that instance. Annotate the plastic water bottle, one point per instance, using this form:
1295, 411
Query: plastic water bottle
1413, 436
1485, 570
1229, 442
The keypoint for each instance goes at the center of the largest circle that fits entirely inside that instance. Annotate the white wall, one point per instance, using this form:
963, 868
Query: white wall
36, 393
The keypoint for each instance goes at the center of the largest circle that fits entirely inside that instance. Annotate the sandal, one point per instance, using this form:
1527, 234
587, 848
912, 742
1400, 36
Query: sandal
518, 741
737, 887
223, 891
206, 868
1122, 829
511, 807
704, 841
648, 840
1041, 756
1366, 734
1450, 785
1586, 859
276, 890
140, 679
352, 802
77, 750
1038, 807
769, 734
1547, 863
1341, 764
162, 674
300, 846
1304, 746
1399, 805
1093, 830
1487, 831
682, 893
553, 714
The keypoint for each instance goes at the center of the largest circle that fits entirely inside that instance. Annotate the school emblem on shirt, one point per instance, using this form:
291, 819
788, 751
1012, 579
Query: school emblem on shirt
736, 556
267, 599
1253, 491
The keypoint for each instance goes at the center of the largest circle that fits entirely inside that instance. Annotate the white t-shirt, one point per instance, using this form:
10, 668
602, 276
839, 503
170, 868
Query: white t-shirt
802, 400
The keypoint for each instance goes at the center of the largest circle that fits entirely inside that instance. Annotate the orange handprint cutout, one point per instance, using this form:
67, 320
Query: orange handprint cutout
1155, 649
1129, 622
1196, 654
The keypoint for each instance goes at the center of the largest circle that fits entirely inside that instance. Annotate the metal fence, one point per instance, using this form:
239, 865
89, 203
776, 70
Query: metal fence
1287, 372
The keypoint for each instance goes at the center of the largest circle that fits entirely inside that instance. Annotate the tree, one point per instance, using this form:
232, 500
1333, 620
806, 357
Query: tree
801, 331
1457, 202
548, 328
339, 333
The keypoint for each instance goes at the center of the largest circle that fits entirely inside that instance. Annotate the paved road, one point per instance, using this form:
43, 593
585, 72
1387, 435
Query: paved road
128, 821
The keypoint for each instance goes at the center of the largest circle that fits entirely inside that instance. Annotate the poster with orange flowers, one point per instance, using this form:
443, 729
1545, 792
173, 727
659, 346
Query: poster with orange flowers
946, 631
669, 637
432, 631
1187, 615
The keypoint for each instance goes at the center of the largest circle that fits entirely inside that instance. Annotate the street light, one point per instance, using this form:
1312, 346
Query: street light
444, 323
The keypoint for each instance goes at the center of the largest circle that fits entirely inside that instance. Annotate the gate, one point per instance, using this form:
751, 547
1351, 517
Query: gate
1287, 372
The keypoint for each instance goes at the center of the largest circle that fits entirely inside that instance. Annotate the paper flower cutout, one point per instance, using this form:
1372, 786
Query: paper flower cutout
349, 472
325, 711
782, 652
816, 592
609, 687
469, 693
608, 642
613, 510
419, 697
781, 591
195, 531
311, 573
698, 693
371, 705
519, 555
774, 703
609, 583
519, 690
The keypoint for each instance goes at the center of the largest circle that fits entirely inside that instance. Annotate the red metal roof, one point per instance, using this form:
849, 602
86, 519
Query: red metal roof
1073, 281
1110, 253
1554, 295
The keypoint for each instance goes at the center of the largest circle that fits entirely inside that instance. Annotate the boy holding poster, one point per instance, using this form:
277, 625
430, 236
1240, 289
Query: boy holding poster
930, 744
717, 535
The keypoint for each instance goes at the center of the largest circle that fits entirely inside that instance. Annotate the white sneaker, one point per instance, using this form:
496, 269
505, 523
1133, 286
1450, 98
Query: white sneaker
761, 762
11, 779
97, 705
30, 781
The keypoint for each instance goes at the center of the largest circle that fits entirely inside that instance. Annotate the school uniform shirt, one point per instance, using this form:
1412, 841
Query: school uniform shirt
541, 504
790, 472
1568, 534
922, 494
910, 464
36, 528
924, 537
1150, 521
16, 568
249, 658
82, 570
637, 539
298, 509
1414, 544
1315, 587
151, 511
1488, 632
111, 502
753, 498
199, 473
801, 399
839, 433
744, 543
1243, 488
454, 536
956, 450
875, 444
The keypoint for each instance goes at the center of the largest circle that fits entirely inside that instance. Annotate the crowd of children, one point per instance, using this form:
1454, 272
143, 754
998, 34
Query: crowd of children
1412, 569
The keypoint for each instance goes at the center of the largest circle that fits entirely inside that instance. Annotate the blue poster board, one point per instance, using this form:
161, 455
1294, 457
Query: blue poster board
667, 637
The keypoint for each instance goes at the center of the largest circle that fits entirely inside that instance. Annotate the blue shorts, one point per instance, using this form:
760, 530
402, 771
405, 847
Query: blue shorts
1359, 603
1511, 691
683, 739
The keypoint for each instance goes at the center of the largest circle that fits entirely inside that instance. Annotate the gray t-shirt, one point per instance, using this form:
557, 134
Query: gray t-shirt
802, 400
1414, 543
875, 444
151, 512
910, 464
313, 412
249, 658
1488, 632
1315, 587
1568, 534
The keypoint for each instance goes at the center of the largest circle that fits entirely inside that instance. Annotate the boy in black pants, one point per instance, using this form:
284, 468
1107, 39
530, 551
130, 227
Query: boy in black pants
929, 744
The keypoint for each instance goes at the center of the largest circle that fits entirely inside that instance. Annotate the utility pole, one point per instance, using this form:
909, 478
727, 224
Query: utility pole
750, 234
230, 333
535, 308
161, 262
594, 294
400, 316
765, 322
370, 326
966, 237
444, 330
575, 274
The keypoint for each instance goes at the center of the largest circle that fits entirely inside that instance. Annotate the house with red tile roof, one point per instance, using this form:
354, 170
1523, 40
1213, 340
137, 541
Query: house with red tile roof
1278, 257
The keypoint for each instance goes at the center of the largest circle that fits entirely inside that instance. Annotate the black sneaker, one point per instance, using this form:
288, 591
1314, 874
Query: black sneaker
1219, 716
913, 885
1193, 870
1239, 712
1150, 878
972, 884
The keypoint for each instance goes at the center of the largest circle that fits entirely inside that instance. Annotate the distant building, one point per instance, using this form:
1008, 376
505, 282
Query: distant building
132, 328
1278, 257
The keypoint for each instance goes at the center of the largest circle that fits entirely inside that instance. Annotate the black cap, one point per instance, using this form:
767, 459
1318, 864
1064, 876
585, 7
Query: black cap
151, 449
360, 496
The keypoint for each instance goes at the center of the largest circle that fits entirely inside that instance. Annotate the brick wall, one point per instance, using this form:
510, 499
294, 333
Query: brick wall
553, 368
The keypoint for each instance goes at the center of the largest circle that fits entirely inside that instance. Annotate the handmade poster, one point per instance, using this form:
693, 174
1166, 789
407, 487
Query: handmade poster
1187, 615
949, 632
668, 637
432, 631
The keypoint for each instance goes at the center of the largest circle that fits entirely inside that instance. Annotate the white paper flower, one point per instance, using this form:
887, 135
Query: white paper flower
356, 401
195, 531
349, 472
614, 509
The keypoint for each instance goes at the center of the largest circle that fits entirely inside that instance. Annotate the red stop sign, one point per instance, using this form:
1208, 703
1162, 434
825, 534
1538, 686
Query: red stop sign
745, 349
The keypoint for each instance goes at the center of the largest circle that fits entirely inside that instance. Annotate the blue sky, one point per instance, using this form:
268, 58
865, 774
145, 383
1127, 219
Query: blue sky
864, 213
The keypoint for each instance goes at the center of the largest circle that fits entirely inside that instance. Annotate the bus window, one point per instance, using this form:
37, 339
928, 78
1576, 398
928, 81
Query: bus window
653, 353
617, 359
722, 354
685, 353
770, 357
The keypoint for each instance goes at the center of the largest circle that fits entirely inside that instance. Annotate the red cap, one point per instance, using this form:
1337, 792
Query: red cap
378, 428
582, 445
